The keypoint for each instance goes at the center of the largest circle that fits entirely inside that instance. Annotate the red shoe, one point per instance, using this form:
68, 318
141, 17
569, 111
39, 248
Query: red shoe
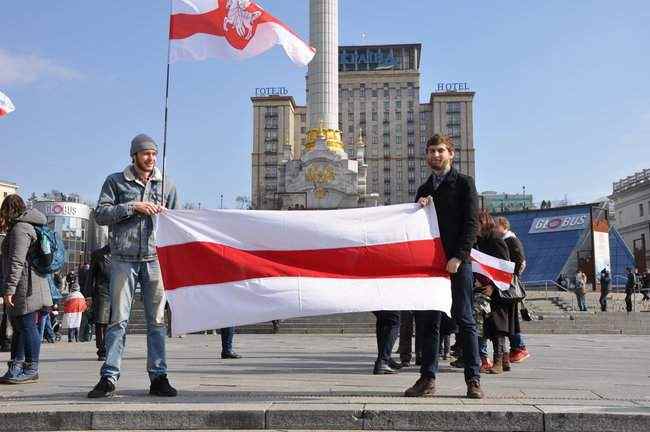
519, 355
486, 365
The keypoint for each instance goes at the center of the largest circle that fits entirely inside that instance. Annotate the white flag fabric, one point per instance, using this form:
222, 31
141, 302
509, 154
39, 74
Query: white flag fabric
199, 29
495, 269
225, 268
6, 106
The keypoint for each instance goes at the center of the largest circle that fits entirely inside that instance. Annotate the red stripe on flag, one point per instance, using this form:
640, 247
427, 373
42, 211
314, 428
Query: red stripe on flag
204, 263
75, 305
494, 273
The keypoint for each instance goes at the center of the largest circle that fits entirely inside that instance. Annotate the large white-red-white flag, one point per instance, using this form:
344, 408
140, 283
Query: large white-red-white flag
234, 267
6, 106
199, 29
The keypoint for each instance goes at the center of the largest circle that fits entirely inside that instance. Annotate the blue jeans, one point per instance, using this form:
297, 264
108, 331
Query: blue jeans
124, 277
516, 341
26, 340
462, 310
227, 336
45, 326
482, 347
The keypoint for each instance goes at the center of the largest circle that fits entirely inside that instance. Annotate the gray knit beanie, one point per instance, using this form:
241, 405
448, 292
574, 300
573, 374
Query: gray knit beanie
142, 142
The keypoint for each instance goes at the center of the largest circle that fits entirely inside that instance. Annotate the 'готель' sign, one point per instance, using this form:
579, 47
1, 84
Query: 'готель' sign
558, 223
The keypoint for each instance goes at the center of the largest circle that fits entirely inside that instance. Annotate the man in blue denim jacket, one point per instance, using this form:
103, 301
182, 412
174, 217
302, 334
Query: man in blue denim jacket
128, 203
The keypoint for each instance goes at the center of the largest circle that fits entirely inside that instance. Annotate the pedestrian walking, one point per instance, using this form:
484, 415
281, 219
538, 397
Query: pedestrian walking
580, 288
128, 202
630, 288
24, 290
605, 281
97, 294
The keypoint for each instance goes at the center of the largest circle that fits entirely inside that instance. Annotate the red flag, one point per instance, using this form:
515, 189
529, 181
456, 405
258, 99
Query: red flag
230, 29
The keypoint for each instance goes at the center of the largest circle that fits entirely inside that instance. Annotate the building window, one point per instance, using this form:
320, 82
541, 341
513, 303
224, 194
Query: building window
350, 106
453, 107
398, 105
423, 139
375, 140
386, 105
641, 210
374, 116
398, 139
351, 116
454, 131
362, 90
303, 118
423, 116
409, 116
351, 129
374, 92
398, 115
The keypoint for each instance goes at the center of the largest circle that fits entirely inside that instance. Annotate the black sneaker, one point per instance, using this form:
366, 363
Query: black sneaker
230, 355
160, 387
104, 388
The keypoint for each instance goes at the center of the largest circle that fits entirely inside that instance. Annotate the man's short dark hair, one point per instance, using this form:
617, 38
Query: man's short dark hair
439, 139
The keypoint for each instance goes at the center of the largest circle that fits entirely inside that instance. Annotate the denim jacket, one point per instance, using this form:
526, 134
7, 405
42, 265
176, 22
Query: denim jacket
132, 235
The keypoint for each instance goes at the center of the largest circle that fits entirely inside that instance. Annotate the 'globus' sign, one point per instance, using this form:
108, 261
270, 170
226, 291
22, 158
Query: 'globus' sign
63, 209
558, 223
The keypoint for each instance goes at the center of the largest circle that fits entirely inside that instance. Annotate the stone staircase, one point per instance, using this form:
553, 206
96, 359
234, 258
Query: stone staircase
554, 310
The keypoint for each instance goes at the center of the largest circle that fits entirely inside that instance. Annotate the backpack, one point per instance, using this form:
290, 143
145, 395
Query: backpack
48, 254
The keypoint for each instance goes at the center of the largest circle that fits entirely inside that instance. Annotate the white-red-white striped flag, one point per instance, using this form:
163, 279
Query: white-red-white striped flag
233, 267
497, 270
6, 106
199, 29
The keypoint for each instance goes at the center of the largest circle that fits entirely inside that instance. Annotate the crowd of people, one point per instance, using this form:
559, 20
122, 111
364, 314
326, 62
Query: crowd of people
104, 289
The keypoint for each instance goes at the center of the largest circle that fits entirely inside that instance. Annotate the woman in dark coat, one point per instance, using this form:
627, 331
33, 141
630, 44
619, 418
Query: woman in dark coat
24, 290
502, 321
97, 293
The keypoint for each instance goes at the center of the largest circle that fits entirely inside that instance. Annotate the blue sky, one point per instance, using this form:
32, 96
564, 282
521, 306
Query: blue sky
562, 97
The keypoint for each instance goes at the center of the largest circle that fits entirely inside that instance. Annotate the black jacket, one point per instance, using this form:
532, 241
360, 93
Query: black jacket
516, 250
456, 203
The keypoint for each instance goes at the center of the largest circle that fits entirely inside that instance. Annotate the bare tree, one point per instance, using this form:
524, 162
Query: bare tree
243, 202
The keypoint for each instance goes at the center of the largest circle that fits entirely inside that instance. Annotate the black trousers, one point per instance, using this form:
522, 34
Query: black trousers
406, 330
386, 330
100, 334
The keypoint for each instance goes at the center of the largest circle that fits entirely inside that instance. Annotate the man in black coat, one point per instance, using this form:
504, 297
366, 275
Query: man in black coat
456, 201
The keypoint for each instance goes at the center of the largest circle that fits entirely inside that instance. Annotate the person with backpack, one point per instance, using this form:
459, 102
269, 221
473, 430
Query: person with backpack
128, 202
24, 289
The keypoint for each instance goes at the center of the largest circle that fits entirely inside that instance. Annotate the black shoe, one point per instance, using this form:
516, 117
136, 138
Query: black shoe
160, 387
394, 365
230, 355
104, 388
382, 368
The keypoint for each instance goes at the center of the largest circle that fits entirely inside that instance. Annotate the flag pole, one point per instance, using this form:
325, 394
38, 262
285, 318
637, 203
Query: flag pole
164, 160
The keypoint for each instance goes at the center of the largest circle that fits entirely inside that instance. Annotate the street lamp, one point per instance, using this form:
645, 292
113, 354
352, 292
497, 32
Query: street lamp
221, 201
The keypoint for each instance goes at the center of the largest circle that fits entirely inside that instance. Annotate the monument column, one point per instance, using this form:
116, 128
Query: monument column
323, 75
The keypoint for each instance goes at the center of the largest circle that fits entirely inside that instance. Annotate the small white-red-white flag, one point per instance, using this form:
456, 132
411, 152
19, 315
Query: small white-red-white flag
6, 106
497, 270
199, 29
224, 268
